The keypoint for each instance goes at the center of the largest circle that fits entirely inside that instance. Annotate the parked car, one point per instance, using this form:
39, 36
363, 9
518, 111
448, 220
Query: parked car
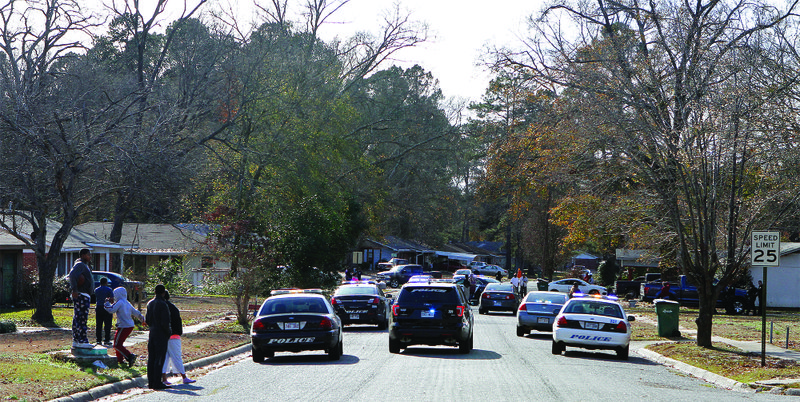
399, 274
564, 285
498, 297
490, 270
631, 289
295, 320
362, 303
538, 311
462, 271
435, 313
592, 323
135, 289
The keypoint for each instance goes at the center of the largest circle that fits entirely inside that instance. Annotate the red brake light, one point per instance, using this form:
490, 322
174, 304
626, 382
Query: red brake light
621, 327
258, 325
394, 310
523, 307
562, 322
334, 301
375, 300
460, 311
485, 296
509, 297
326, 323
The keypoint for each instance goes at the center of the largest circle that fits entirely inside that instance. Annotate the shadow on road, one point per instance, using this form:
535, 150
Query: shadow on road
308, 359
450, 353
362, 328
602, 355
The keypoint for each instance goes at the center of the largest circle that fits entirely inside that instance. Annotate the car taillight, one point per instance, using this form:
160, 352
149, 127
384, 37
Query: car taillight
258, 325
460, 311
523, 307
326, 323
562, 322
509, 297
375, 300
621, 327
486, 296
395, 309
334, 301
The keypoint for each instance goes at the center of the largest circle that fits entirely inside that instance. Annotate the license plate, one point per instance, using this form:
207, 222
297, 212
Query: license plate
427, 314
353, 316
292, 325
498, 303
591, 325
543, 320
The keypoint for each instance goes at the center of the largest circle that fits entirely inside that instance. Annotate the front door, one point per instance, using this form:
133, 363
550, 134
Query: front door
7, 271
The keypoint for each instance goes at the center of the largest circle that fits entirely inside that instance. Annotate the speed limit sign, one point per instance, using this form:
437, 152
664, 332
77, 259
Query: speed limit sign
765, 250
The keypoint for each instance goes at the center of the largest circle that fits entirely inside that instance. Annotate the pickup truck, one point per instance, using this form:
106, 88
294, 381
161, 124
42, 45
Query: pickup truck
400, 274
733, 300
625, 288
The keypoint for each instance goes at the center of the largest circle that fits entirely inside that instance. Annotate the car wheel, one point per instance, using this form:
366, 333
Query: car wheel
514, 312
622, 353
521, 331
394, 283
383, 325
336, 352
481, 311
557, 348
736, 307
394, 346
466, 346
258, 357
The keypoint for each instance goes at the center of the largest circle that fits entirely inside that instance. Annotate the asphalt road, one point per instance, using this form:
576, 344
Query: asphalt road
502, 367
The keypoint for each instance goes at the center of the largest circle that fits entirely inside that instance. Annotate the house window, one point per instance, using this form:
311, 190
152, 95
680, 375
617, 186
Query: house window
207, 262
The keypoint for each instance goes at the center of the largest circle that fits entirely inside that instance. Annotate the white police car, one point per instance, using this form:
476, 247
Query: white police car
592, 322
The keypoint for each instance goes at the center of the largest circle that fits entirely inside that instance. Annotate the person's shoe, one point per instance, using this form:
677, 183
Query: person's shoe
131, 360
80, 345
167, 384
188, 380
107, 343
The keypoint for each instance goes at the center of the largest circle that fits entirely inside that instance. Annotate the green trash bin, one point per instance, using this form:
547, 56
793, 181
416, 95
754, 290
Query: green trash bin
667, 312
541, 284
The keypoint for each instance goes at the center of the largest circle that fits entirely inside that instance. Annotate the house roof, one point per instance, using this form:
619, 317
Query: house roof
586, 256
789, 248
76, 240
477, 248
155, 238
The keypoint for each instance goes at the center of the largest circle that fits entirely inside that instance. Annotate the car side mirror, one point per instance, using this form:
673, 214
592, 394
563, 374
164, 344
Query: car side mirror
631, 318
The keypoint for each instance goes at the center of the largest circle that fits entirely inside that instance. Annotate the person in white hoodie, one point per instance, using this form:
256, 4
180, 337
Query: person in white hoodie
125, 311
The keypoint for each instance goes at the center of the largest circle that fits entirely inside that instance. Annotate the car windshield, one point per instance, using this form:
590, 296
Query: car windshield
356, 290
463, 272
293, 305
500, 287
548, 298
594, 308
428, 295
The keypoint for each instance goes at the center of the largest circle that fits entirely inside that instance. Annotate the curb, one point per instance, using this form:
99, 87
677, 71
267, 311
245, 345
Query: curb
706, 375
141, 381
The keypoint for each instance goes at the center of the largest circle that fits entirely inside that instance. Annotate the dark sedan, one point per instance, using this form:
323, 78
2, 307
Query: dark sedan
294, 321
538, 311
362, 303
498, 297
135, 289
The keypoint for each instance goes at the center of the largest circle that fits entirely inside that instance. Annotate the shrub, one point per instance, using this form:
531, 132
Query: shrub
7, 327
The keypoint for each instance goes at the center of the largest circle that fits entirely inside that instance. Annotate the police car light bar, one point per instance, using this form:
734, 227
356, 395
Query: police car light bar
357, 282
290, 291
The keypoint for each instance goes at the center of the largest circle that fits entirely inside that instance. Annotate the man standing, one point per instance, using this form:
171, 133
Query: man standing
81, 284
158, 319
103, 317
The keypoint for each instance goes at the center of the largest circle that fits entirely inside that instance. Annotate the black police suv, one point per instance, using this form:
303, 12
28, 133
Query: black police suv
361, 303
294, 320
433, 313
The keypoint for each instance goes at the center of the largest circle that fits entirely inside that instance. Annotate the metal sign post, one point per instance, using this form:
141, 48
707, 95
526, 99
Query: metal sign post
765, 250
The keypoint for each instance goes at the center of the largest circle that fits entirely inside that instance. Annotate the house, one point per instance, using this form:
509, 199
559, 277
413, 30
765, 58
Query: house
591, 262
488, 252
371, 251
19, 265
636, 262
782, 281
147, 244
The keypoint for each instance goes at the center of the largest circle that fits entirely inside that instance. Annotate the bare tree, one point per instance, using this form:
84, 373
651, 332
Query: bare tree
48, 135
685, 96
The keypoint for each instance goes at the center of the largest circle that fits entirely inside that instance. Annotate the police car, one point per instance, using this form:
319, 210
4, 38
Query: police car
362, 302
592, 322
295, 320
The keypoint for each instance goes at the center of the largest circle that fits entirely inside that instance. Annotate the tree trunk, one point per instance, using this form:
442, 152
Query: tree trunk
43, 301
704, 321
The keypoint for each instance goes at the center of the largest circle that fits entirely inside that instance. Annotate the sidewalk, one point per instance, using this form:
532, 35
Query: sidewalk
747, 346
